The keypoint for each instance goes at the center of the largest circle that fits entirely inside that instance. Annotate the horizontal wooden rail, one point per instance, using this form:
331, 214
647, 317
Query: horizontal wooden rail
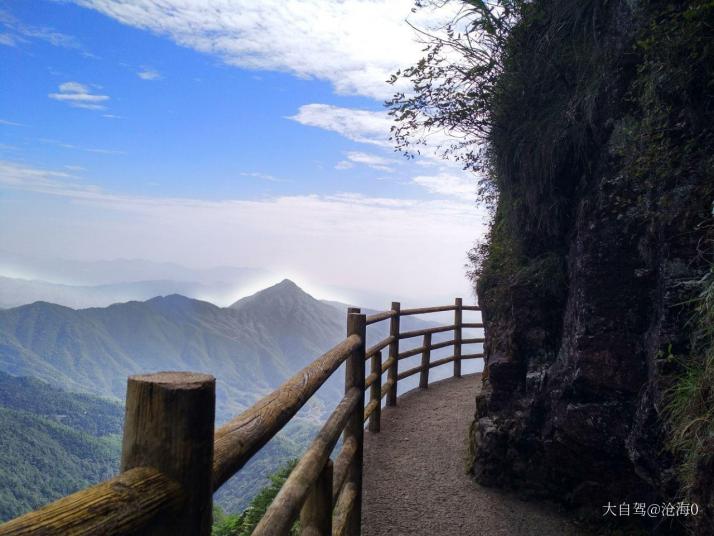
422, 332
425, 310
239, 439
471, 356
443, 361
378, 317
169, 442
409, 372
284, 509
381, 345
409, 353
127, 504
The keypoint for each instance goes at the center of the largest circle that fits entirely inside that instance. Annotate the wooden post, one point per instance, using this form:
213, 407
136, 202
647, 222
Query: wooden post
354, 377
394, 355
375, 392
168, 425
457, 338
316, 513
425, 358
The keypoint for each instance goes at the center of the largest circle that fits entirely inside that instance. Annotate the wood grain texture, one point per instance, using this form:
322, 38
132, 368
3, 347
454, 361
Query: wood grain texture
132, 503
344, 510
342, 465
284, 509
354, 379
239, 439
168, 425
316, 512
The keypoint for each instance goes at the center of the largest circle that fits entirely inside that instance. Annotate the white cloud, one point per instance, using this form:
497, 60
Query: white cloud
21, 32
64, 145
261, 176
10, 123
336, 239
344, 164
354, 44
8, 40
79, 96
371, 160
363, 126
148, 73
462, 185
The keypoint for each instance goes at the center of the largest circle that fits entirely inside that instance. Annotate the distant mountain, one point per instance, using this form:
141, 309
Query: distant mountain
251, 347
15, 292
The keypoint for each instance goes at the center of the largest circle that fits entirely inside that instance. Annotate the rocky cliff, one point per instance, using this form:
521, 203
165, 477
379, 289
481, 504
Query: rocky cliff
602, 145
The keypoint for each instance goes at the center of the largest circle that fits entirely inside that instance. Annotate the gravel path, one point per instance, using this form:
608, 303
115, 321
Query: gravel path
415, 480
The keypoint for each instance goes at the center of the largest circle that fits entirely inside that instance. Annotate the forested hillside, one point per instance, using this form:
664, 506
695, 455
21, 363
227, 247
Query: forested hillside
52, 443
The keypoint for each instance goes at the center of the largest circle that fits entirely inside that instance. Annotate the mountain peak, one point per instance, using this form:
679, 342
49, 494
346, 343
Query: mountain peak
285, 292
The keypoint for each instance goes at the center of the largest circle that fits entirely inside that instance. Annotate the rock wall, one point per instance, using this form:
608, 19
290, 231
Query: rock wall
586, 313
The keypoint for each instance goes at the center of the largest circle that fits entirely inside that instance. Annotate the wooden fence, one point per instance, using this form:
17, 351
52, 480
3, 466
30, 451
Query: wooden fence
172, 460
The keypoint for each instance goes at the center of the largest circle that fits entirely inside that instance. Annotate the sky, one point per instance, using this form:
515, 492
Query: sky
226, 132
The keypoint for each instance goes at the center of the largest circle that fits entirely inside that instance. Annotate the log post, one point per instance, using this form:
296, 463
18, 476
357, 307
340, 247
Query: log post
316, 513
354, 377
457, 337
375, 392
425, 358
168, 425
393, 371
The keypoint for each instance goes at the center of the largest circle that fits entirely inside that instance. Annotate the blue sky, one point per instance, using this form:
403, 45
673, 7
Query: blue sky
212, 133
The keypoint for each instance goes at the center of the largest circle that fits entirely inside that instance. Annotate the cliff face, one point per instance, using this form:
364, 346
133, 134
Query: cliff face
602, 153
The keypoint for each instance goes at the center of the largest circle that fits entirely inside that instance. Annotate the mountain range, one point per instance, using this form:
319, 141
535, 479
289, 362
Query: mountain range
72, 356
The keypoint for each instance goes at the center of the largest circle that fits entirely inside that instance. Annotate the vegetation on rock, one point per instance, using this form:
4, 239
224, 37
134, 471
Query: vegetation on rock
590, 127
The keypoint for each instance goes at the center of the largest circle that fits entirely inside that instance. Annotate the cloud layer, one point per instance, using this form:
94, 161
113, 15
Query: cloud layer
354, 44
399, 246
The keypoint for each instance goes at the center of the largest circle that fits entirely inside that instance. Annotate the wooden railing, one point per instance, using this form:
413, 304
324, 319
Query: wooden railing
172, 460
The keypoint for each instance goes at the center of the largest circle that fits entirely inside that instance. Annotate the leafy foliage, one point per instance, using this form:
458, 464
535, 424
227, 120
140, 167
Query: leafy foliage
45, 453
243, 524
80, 411
690, 401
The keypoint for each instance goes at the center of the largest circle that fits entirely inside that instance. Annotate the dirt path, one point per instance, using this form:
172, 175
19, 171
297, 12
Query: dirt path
415, 474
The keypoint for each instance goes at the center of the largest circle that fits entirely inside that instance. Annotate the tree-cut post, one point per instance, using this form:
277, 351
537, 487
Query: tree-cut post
168, 425
316, 513
375, 392
425, 358
354, 377
393, 355
457, 338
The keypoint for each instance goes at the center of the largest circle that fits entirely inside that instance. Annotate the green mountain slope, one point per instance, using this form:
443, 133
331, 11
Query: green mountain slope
250, 350
52, 443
